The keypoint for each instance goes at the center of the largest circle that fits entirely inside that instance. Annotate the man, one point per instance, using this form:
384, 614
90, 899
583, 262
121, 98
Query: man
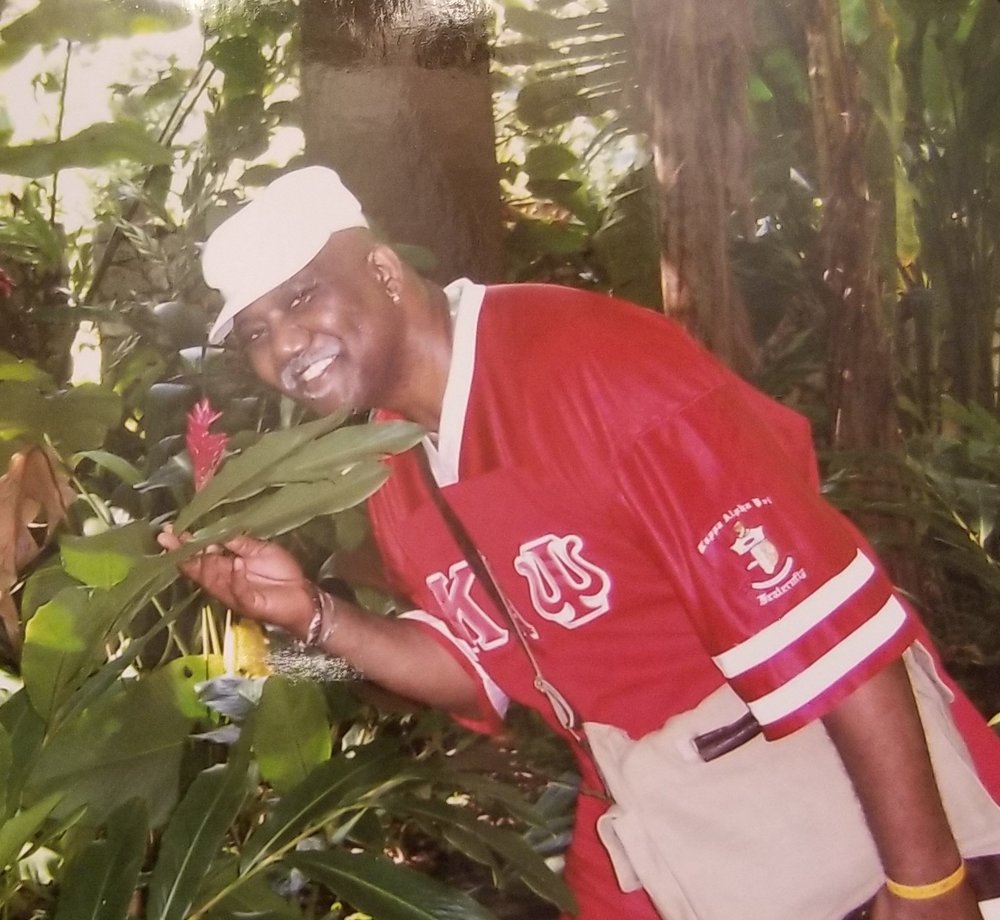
653, 520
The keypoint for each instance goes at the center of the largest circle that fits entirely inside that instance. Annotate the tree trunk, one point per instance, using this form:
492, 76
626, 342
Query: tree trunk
396, 97
693, 68
860, 390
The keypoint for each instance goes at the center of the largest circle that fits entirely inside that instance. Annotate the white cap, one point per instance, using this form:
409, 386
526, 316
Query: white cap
274, 236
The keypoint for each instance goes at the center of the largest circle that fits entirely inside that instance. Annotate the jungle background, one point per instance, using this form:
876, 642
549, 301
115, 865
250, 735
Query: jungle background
809, 185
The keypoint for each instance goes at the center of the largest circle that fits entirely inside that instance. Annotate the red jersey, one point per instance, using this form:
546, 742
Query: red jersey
656, 523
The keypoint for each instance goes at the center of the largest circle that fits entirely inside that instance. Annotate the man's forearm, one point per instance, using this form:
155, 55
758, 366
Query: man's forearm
879, 736
398, 655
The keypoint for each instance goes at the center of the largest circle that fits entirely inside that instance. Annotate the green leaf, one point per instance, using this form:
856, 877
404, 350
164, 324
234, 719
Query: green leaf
119, 466
547, 103
348, 782
105, 559
62, 644
99, 881
12, 368
15, 832
26, 731
86, 21
291, 732
382, 889
543, 236
194, 836
243, 63
100, 145
292, 506
6, 766
249, 896
247, 473
126, 745
550, 161
471, 835
76, 419
322, 458
855, 21
116, 607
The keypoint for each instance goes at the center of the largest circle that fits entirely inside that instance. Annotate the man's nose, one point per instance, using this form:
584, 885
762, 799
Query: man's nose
288, 338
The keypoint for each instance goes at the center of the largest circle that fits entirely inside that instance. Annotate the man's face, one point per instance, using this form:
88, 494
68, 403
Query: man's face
328, 337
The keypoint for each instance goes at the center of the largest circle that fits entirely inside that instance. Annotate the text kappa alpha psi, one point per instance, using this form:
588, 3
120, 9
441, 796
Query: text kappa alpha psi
567, 588
776, 572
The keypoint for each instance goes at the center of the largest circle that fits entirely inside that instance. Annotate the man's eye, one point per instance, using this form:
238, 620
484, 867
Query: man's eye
299, 300
251, 335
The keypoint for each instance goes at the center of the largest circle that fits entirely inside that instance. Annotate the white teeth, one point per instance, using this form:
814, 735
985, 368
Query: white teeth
314, 370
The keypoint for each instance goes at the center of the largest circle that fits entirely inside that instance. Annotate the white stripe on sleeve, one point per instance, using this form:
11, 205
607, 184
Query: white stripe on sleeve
825, 671
799, 620
498, 699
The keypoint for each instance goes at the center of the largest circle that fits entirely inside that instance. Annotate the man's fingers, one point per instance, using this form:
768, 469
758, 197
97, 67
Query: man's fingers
245, 545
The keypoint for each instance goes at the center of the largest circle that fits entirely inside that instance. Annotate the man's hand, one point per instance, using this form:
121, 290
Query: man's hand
255, 578
263, 582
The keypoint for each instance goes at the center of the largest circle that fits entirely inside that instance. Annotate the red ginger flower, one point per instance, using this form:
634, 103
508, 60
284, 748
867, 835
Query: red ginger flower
204, 447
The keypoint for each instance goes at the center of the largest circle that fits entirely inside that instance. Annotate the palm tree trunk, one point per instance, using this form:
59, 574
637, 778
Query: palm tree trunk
860, 387
396, 97
693, 69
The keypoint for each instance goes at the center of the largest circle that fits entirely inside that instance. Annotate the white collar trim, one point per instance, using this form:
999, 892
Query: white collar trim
465, 300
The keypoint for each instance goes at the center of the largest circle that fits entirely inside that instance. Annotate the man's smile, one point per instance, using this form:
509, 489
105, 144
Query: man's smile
304, 372
315, 369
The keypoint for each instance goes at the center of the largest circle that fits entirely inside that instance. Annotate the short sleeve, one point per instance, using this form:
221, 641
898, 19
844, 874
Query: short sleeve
493, 702
786, 596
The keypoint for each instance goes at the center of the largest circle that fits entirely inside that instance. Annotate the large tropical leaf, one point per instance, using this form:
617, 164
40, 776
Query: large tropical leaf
385, 890
65, 637
127, 745
480, 840
86, 21
19, 829
193, 837
26, 731
294, 505
62, 643
99, 881
100, 145
6, 763
349, 782
76, 419
307, 453
104, 560
291, 732
227, 896
247, 473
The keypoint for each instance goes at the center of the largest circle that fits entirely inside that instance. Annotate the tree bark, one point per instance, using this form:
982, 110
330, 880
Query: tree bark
860, 386
693, 69
396, 97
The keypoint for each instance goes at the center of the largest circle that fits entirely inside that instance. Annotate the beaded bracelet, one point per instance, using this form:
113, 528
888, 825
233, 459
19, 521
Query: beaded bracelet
930, 890
321, 626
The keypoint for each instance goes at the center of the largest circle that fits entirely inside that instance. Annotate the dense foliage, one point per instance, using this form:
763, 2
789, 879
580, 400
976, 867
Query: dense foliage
149, 768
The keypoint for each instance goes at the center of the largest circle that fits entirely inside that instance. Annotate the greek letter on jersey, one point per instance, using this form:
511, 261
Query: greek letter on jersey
564, 586
468, 620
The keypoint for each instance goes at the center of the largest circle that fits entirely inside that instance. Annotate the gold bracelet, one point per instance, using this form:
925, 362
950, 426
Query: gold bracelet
930, 890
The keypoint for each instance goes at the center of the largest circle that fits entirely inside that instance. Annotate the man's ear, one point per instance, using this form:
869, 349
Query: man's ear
388, 269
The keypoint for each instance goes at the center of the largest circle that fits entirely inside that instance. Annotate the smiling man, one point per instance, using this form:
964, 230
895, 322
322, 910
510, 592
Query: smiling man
655, 528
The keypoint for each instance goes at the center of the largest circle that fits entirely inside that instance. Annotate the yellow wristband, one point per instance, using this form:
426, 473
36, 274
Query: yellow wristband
930, 890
